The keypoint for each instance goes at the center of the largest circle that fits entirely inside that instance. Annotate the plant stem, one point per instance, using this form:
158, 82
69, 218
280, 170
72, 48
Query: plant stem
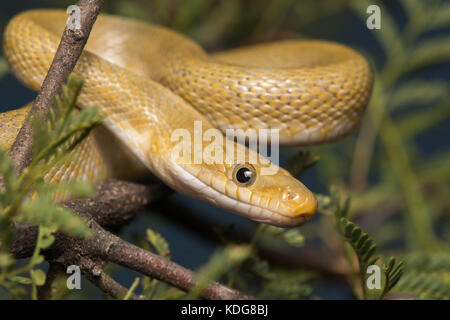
132, 288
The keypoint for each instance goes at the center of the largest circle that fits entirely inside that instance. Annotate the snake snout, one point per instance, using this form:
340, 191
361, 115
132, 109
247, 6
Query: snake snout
301, 202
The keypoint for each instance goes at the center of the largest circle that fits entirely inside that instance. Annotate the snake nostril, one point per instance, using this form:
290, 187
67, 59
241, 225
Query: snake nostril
290, 195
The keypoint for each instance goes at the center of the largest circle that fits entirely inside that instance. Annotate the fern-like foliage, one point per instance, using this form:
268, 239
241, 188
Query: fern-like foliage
426, 276
30, 199
363, 246
361, 243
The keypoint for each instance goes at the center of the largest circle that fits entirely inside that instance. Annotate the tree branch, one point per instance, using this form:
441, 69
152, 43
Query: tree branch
138, 259
90, 253
108, 285
66, 57
118, 201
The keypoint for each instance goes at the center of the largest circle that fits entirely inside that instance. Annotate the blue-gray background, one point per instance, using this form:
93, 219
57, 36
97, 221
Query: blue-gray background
189, 247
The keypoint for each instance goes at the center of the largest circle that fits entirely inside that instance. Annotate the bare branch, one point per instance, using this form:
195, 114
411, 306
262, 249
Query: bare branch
138, 259
90, 253
107, 284
117, 201
66, 57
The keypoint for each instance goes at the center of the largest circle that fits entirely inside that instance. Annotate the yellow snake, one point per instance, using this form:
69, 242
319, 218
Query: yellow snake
150, 81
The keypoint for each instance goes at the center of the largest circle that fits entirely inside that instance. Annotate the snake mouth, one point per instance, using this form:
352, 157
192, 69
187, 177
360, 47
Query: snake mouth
189, 184
275, 218
302, 214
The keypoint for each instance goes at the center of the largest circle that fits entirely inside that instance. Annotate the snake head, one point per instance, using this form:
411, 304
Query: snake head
278, 199
248, 190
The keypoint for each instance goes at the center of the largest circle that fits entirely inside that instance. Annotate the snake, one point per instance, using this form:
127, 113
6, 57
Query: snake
150, 81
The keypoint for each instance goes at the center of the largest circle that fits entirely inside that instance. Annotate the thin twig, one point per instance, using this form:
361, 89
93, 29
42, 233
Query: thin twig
153, 265
108, 285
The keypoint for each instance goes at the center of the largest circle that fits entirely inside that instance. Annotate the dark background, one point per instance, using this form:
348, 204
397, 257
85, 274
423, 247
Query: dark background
224, 24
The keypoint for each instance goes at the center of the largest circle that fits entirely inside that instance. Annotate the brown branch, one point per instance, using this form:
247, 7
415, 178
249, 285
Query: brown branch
66, 57
118, 201
138, 259
90, 253
114, 205
95, 274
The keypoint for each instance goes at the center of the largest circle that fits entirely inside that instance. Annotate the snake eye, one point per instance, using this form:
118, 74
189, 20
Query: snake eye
244, 174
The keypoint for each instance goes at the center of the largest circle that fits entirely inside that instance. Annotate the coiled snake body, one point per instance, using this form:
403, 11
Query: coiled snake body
150, 81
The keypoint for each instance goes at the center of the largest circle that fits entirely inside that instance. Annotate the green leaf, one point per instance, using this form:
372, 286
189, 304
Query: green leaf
67, 127
429, 52
345, 207
425, 274
47, 241
440, 18
30, 198
323, 201
393, 272
427, 286
257, 266
38, 277
188, 12
287, 284
8, 172
335, 197
221, 262
356, 235
6, 260
38, 259
132, 288
276, 231
294, 238
362, 240
418, 92
418, 122
74, 189
44, 212
158, 242
217, 22
21, 280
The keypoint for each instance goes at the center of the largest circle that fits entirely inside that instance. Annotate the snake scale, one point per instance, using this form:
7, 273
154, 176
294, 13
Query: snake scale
150, 81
